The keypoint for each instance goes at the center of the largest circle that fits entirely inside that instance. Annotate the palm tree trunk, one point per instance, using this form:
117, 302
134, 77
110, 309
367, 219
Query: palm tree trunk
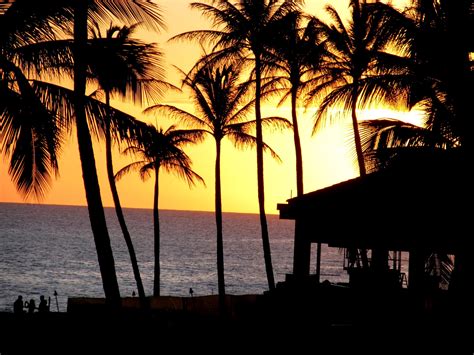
89, 172
156, 229
118, 206
296, 137
260, 178
360, 155
220, 242
355, 127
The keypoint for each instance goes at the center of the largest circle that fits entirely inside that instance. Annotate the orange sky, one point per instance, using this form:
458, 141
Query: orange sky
326, 156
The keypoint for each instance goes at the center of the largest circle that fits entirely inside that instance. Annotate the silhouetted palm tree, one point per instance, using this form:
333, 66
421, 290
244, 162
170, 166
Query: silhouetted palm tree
130, 11
161, 149
296, 53
40, 15
125, 67
428, 75
243, 30
30, 133
222, 106
356, 71
449, 69
435, 67
351, 76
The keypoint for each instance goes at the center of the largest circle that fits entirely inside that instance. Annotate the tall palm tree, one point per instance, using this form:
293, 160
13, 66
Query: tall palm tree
445, 23
434, 71
128, 10
125, 67
243, 29
296, 53
351, 74
222, 110
60, 13
355, 73
161, 149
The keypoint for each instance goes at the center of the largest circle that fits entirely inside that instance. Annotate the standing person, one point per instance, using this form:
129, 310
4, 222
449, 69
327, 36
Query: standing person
31, 305
43, 306
18, 305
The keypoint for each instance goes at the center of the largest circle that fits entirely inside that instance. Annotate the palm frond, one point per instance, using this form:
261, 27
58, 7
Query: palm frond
30, 135
52, 58
183, 171
209, 36
26, 22
126, 66
130, 12
341, 95
274, 123
181, 137
178, 114
135, 166
244, 140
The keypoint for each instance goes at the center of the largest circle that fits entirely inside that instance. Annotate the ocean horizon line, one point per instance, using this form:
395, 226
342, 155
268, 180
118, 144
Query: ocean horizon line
130, 208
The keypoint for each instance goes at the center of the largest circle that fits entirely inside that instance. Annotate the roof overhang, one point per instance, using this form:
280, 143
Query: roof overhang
424, 203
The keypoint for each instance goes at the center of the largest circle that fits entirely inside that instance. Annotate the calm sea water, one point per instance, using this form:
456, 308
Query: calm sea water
50, 248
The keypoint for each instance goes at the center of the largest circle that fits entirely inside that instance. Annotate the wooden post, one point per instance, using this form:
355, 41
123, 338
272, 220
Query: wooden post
416, 269
302, 251
318, 263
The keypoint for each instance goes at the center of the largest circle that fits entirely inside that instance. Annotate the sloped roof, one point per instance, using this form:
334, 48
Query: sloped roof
424, 199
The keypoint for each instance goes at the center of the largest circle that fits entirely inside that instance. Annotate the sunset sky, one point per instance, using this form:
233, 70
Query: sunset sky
327, 156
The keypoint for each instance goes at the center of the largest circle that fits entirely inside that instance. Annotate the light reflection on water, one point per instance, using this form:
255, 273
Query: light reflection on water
48, 248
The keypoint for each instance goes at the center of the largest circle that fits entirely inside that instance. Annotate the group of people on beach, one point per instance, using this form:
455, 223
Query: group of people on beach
19, 305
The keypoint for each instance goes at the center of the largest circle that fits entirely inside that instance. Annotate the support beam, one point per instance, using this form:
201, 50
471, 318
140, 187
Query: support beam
416, 269
318, 263
302, 251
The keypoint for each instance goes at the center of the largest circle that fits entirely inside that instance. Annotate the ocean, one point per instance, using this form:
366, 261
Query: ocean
46, 248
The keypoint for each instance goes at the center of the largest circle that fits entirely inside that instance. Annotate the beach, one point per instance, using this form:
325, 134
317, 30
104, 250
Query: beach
275, 324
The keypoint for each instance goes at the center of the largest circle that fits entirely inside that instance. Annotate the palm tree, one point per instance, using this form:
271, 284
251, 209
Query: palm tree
29, 20
296, 54
445, 23
30, 133
125, 67
222, 109
434, 71
244, 32
355, 73
161, 149
350, 75
128, 10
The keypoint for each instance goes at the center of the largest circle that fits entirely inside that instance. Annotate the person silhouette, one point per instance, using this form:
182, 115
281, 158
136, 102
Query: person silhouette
191, 292
31, 305
43, 306
18, 305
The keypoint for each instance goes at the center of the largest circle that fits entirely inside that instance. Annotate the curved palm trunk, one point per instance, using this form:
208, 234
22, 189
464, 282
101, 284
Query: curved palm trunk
118, 206
220, 242
296, 138
89, 172
156, 230
260, 178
